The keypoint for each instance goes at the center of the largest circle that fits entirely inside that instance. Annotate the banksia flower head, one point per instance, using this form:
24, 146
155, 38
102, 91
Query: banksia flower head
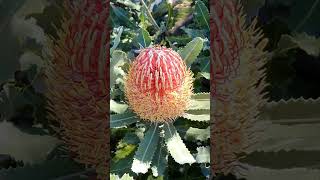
158, 86
77, 76
238, 84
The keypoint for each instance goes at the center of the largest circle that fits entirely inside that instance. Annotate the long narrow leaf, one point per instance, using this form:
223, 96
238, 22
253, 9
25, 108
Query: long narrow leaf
190, 52
147, 147
121, 120
176, 147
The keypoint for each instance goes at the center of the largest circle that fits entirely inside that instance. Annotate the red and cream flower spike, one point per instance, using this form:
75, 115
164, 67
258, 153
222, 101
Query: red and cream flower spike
77, 74
237, 85
158, 85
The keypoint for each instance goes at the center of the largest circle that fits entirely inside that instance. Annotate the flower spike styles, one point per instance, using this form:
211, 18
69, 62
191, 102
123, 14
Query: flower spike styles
159, 86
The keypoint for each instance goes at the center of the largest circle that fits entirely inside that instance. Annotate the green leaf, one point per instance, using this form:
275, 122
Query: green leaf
193, 33
204, 75
197, 134
160, 160
146, 150
117, 107
202, 14
276, 174
124, 152
117, 39
121, 15
122, 166
292, 111
176, 147
310, 44
197, 115
22, 146
190, 52
121, 120
200, 101
50, 169
118, 59
204, 64
143, 39
277, 137
203, 154
124, 177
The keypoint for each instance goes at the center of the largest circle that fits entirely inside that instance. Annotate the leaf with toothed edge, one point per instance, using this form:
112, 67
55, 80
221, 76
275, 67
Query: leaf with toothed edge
197, 115
124, 177
200, 101
117, 107
160, 160
190, 52
121, 120
202, 14
146, 150
197, 134
176, 147
203, 154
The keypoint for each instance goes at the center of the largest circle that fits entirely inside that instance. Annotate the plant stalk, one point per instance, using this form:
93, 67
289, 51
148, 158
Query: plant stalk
150, 15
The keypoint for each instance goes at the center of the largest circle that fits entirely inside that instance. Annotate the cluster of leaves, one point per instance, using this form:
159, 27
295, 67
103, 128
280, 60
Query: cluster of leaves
184, 27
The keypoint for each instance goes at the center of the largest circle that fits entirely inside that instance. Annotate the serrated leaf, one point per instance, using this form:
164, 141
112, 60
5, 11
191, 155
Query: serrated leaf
292, 111
176, 147
202, 14
147, 147
124, 152
124, 177
122, 166
121, 120
197, 115
285, 159
253, 173
143, 39
295, 137
51, 169
190, 52
117, 39
118, 59
310, 44
22, 146
197, 134
122, 15
203, 154
204, 75
200, 101
160, 160
117, 107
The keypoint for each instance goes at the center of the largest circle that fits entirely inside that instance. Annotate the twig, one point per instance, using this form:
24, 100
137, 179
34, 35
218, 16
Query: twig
150, 15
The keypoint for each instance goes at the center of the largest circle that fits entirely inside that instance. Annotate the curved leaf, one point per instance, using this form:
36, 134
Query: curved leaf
197, 115
190, 52
147, 147
202, 14
176, 147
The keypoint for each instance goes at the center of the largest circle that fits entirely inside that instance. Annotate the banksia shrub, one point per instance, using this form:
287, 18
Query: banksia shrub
238, 83
158, 85
77, 74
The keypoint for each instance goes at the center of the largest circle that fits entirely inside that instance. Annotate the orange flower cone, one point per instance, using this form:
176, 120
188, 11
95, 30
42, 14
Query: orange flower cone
158, 86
